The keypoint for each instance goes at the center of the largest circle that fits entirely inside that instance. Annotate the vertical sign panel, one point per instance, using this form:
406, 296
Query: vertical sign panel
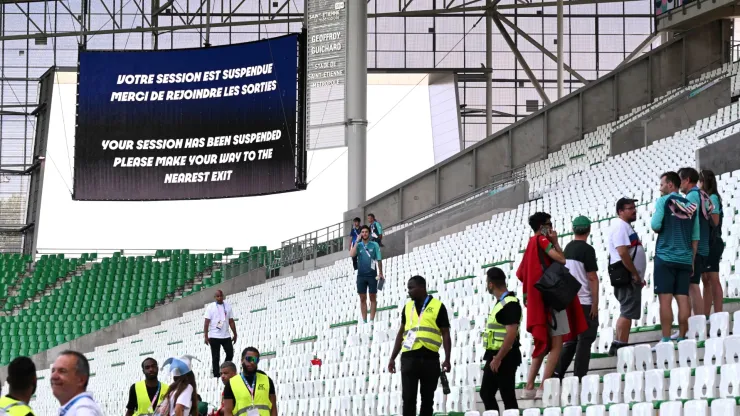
327, 59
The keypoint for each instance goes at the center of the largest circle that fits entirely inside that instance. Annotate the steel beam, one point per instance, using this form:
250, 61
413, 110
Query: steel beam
521, 60
489, 66
144, 29
539, 46
555, 3
560, 48
648, 40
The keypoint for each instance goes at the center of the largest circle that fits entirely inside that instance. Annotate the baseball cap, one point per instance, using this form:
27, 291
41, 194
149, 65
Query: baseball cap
624, 201
581, 221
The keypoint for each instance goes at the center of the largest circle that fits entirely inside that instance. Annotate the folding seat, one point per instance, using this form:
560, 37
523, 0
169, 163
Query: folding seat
633, 386
453, 400
704, 381
719, 324
626, 359
687, 353
573, 411
383, 404
473, 413
371, 405
475, 374
612, 389
665, 353
696, 408
619, 409
551, 392
729, 381
552, 411
679, 388
732, 349
527, 412
724, 407
643, 409
596, 410
325, 406
697, 328
493, 413
468, 398
736, 323
590, 390
569, 391
643, 358
654, 385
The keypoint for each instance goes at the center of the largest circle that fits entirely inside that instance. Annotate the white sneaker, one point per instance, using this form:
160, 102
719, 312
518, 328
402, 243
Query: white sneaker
674, 336
528, 394
538, 394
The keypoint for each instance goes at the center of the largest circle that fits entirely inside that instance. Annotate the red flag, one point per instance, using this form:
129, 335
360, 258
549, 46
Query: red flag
316, 361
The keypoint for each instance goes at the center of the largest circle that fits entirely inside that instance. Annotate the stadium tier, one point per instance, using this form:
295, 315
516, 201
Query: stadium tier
295, 320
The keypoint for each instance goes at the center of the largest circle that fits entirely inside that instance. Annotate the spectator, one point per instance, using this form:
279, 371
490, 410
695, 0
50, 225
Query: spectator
145, 395
369, 270
253, 393
22, 383
689, 177
501, 341
712, 286
673, 253
546, 326
625, 245
580, 259
182, 396
70, 374
228, 370
425, 327
354, 234
376, 230
216, 333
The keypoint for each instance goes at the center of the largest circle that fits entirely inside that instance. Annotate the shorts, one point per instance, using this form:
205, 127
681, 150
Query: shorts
671, 278
367, 284
700, 263
630, 300
715, 256
560, 321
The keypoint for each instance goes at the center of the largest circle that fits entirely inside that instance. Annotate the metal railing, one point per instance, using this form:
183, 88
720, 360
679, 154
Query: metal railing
309, 246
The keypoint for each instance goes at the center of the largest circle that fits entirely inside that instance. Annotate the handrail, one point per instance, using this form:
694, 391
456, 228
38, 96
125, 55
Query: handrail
718, 129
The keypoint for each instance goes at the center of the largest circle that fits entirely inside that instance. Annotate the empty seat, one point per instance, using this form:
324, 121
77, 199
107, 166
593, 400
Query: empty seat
719, 324
687, 353
679, 388
696, 408
612, 388
673, 408
724, 407
732, 349
697, 328
643, 409
704, 381
569, 391
590, 386
626, 359
654, 385
643, 358
665, 353
551, 392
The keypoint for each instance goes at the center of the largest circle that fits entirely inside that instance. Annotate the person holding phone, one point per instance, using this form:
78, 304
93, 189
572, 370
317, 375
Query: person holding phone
369, 271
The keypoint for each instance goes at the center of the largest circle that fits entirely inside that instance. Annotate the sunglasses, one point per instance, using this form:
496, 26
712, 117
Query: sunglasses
254, 360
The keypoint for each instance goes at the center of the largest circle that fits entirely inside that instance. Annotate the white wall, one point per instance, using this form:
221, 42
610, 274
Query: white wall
398, 147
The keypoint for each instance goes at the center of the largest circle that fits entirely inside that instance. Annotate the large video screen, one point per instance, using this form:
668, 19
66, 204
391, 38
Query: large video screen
212, 122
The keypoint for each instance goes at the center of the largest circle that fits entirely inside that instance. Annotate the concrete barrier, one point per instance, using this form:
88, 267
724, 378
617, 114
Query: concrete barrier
720, 157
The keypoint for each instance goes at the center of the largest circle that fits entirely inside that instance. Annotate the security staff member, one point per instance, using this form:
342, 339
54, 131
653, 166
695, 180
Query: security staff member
501, 341
251, 393
144, 396
22, 382
425, 327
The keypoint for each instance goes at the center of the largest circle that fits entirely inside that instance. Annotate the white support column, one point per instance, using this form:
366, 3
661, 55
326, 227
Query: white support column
356, 102
560, 49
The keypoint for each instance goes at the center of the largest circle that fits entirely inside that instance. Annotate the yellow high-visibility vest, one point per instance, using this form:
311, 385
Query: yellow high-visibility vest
493, 338
14, 407
244, 399
143, 402
428, 334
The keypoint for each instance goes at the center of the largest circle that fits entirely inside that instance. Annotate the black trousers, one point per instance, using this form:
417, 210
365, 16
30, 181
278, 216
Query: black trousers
580, 349
417, 371
503, 381
354, 262
216, 344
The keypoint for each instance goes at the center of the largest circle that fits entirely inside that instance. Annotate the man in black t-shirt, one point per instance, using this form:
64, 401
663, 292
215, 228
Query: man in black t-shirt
501, 341
150, 368
580, 259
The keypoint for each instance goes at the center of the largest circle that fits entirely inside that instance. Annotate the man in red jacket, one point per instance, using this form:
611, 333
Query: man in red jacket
546, 326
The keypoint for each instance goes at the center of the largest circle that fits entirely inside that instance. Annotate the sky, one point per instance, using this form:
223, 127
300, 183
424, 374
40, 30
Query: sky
399, 145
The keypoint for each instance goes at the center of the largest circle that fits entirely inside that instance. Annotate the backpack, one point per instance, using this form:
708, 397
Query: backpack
707, 206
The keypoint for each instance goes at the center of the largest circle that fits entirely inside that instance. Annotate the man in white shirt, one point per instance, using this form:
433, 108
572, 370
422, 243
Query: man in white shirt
69, 376
625, 246
216, 331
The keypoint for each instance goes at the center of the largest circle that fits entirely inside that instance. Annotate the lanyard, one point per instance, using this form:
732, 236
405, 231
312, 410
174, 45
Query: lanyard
63, 411
501, 299
250, 388
223, 306
156, 395
364, 247
423, 308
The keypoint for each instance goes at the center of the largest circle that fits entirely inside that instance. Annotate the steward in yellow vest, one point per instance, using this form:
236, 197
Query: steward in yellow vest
144, 396
252, 392
22, 382
501, 341
425, 327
